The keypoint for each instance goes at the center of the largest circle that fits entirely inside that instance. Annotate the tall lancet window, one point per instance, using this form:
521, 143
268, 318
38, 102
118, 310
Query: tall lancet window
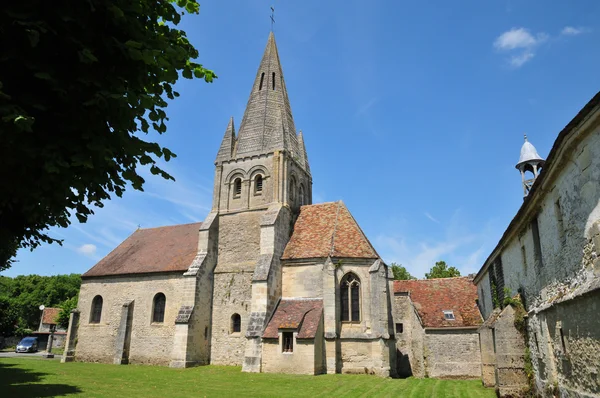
262, 79
237, 188
350, 298
273, 80
158, 313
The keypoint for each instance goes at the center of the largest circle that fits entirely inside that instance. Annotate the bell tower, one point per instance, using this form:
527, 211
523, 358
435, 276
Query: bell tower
530, 163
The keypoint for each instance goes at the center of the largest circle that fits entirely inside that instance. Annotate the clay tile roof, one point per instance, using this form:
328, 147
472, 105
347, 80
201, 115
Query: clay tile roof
162, 249
327, 229
303, 315
50, 315
433, 296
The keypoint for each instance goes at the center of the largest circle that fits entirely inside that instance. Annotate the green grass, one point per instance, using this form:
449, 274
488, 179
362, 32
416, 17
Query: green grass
42, 378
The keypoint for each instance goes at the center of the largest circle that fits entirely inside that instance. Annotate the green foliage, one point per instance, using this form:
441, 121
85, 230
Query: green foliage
81, 85
441, 270
401, 273
26, 293
9, 317
105, 380
495, 299
65, 311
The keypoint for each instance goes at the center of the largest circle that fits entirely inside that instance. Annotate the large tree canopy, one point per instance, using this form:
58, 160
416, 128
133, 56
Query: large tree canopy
441, 270
81, 83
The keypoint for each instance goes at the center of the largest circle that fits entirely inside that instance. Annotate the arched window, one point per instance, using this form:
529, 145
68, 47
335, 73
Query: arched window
96, 313
350, 298
301, 195
158, 312
258, 184
273, 80
262, 78
292, 189
236, 323
237, 188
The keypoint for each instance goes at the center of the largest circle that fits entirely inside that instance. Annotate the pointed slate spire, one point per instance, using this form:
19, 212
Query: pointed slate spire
227, 145
302, 149
268, 109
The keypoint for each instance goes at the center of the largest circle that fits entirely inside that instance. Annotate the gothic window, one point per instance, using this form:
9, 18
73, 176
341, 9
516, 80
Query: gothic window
262, 78
236, 323
158, 312
292, 189
96, 314
237, 188
350, 298
287, 340
258, 184
273, 80
301, 195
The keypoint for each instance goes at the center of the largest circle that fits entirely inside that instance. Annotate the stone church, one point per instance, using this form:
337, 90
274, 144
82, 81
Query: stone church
268, 281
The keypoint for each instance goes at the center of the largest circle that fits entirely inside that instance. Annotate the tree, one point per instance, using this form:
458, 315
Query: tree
441, 270
81, 84
400, 272
65, 312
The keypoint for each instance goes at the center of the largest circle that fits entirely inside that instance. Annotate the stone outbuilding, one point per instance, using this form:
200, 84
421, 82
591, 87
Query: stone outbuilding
436, 323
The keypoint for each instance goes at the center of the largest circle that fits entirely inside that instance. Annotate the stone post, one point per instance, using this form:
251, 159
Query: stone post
69, 353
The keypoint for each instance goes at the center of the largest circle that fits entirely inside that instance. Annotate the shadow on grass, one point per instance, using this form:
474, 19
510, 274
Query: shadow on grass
19, 382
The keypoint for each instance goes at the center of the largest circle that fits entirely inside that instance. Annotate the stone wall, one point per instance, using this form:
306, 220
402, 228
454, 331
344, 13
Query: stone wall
303, 280
301, 361
232, 295
239, 241
453, 353
563, 270
151, 343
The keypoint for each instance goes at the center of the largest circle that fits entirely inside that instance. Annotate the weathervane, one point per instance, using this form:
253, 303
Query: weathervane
272, 17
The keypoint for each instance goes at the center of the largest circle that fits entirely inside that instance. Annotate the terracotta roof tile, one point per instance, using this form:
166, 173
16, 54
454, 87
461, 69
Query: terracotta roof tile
432, 296
50, 315
162, 249
302, 314
327, 229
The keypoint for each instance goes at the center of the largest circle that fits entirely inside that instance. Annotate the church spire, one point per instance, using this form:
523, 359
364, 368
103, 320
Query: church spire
227, 145
268, 124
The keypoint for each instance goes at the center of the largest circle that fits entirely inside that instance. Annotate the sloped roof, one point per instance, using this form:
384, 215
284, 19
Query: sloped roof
327, 229
433, 296
303, 315
163, 249
50, 315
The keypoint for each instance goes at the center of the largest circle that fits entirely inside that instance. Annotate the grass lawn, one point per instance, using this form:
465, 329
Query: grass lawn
46, 378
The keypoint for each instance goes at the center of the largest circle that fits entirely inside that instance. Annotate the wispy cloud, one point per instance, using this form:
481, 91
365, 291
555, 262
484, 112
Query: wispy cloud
573, 31
365, 107
432, 218
521, 43
87, 249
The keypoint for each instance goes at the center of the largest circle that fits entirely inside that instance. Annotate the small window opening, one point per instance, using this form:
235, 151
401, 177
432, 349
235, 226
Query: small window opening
292, 189
287, 342
301, 195
399, 328
494, 339
258, 184
158, 314
449, 315
537, 246
562, 340
537, 345
273, 80
236, 323
524, 257
96, 314
262, 78
237, 188
206, 333
559, 222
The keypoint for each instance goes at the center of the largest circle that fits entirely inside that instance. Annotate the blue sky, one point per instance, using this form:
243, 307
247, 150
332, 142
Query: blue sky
413, 113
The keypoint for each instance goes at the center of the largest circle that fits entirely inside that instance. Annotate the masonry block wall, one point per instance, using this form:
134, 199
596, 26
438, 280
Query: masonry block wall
453, 353
151, 343
549, 255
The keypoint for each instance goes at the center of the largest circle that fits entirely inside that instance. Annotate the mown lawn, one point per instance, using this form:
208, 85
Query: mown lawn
49, 378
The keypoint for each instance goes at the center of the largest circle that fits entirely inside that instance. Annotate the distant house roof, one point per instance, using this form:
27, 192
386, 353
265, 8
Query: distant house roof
163, 249
327, 229
431, 297
50, 315
302, 315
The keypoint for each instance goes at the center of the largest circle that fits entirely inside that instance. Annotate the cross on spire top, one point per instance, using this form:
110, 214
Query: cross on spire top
272, 17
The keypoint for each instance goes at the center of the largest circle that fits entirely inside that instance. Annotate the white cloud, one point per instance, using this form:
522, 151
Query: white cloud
432, 218
572, 31
519, 40
87, 249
